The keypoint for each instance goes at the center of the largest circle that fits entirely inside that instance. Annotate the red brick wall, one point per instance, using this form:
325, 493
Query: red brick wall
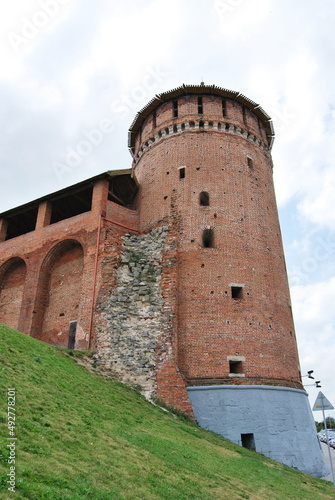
60, 293
212, 111
12, 280
170, 381
51, 251
211, 325
37, 247
122, 215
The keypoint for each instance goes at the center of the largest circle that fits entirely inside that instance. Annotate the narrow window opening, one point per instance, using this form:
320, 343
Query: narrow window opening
250, 162
154, 119
175, 109
201, 124
235, 367
183, 126
182, 173
248, 441
175, 129
208, 238
236, 292
200, 106
72, 335
204, 199
224, 107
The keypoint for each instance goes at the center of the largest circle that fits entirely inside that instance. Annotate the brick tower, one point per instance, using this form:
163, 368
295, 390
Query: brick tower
202, 159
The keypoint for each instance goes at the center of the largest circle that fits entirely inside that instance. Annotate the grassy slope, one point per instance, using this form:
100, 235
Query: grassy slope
83, 437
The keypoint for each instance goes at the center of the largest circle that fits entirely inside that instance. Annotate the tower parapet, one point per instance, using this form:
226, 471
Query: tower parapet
194, 108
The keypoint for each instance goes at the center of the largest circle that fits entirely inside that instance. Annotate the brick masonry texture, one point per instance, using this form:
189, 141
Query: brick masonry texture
173, 272
153, 297
236, 172
13, 277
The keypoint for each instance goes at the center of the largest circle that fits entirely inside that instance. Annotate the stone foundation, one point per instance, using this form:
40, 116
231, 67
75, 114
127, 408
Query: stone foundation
277, 420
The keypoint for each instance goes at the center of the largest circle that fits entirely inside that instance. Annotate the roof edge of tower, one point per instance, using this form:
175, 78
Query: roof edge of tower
196, 89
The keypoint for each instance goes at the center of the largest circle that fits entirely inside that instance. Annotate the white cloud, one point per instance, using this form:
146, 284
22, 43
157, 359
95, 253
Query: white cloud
318, 201
240, 18
23, 26
153, 27
313, 308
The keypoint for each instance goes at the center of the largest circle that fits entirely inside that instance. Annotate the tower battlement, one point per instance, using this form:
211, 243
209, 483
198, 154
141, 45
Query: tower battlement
199, 108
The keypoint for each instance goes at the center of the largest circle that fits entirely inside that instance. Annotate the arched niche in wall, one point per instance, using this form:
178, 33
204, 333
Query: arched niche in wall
59, 294
12, 280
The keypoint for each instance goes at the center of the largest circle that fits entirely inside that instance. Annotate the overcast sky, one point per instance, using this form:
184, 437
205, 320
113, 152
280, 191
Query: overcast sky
73, 70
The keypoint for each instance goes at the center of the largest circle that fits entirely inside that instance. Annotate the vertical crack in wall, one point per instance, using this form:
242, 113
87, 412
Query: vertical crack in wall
132, 314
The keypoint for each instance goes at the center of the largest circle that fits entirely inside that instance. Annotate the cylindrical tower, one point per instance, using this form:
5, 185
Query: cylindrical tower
202, 158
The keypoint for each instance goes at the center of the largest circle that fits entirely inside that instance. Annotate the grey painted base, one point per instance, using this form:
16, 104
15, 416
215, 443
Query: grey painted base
275, 421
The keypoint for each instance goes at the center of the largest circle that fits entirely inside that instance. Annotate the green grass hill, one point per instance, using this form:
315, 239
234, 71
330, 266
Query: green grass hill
81, 436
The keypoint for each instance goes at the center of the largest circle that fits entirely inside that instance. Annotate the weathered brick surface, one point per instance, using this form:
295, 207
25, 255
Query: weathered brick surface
60, 294
211, 325
47, 275
182, 327
122, 215
11, 292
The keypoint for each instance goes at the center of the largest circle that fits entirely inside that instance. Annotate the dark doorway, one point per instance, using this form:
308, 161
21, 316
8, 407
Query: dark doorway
248, 441
72, 334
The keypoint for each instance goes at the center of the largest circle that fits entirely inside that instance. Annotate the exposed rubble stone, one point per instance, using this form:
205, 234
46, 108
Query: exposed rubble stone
133, 312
